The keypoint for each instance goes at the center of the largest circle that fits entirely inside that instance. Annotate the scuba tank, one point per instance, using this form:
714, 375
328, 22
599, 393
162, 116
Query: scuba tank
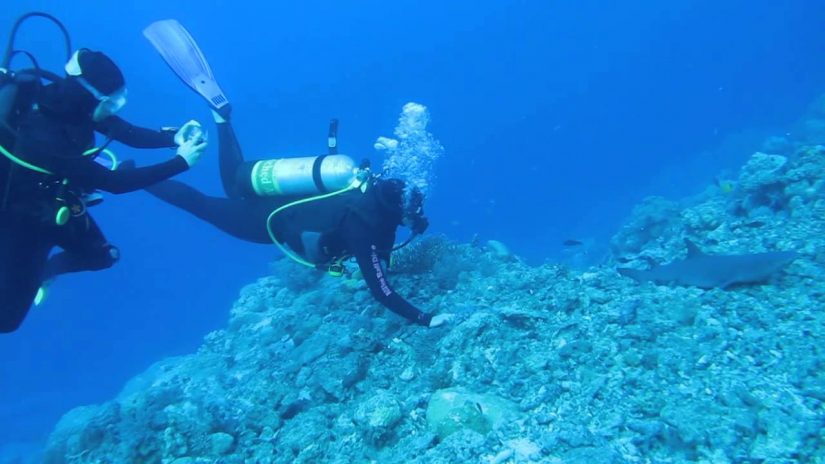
302, 176
309, 175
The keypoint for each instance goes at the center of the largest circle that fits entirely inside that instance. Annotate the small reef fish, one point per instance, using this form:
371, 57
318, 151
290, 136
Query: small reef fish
725, 186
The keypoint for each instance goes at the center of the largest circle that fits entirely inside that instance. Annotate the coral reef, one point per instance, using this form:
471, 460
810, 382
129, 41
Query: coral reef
542, 364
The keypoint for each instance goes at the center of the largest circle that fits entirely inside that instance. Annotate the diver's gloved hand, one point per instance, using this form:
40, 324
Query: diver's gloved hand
441, 319
192, 130
191, 140
191, 151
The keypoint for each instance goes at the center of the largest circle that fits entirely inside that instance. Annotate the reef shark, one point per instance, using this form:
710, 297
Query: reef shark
714, 271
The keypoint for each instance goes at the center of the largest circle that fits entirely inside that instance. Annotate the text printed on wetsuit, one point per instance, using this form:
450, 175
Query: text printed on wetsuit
379, 274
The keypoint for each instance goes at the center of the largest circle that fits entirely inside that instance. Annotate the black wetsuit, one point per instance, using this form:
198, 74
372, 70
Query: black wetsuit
53, 136
351, 224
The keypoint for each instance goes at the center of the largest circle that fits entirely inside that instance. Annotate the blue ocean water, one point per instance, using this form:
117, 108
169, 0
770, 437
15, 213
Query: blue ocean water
556, 119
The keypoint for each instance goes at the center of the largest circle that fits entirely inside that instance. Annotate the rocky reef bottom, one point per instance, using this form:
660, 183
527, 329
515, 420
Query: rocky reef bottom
542, 364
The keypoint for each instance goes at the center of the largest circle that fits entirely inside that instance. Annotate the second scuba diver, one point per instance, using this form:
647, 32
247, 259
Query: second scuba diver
49, 175
358, 221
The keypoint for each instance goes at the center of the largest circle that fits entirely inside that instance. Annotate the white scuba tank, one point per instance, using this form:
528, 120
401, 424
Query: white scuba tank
307, 175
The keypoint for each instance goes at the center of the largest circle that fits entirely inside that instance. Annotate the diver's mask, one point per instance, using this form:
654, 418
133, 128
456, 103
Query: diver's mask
103, 70
418, 224
396, 195
107, 105
414, 210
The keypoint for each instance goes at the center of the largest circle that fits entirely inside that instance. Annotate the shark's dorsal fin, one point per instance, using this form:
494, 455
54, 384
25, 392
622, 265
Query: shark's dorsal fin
692, 250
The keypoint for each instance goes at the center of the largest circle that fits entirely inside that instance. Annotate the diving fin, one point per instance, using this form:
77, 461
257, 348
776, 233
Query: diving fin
181, 53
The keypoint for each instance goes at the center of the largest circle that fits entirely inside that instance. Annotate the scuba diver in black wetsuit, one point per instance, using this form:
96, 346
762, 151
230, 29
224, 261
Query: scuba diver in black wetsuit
323, 208
323, 232
49, 174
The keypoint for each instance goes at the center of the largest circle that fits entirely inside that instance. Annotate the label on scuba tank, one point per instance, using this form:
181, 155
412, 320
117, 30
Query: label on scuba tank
264, 180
